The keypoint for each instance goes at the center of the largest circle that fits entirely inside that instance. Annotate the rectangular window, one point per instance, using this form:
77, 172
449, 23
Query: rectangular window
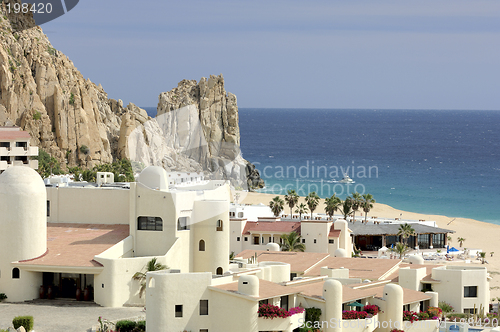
178, 310
203, 307
470, 291
21, 144
4, 144
48, 208
182, 224
256, 240
246, 238
331, 241
303, 240
203, 330
270, 239
470, 311
149, 224
237, 238
314, 240
284, 302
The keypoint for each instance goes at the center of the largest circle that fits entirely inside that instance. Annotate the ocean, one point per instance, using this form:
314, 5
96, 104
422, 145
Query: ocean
444, 162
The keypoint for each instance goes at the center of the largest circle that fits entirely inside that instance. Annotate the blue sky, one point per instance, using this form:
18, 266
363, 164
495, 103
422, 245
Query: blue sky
302, 54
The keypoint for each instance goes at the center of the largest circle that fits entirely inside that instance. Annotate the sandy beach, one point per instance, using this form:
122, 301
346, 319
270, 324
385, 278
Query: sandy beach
477, 234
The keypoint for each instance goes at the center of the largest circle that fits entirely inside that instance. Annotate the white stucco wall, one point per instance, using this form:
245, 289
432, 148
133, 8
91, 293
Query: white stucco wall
318, 231
88, 205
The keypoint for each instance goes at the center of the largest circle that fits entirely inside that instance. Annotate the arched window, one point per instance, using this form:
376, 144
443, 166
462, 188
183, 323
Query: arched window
15, 273
201, 246
151, 283
219, 225
219, 271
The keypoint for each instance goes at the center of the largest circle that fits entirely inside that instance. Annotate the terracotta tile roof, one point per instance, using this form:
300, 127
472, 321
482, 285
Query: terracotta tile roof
372, 269
267, 226
409, 295
267, 289
334, 232
12, 134
348, 294
300, 262
76, 245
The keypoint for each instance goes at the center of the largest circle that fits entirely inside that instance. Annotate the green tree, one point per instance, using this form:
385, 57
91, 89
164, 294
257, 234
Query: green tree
461, 240
276, 205
405, 230
367, 204
401, 249
355, 204
47, 164
482, 254
291, 242
346, 208
312, 201
332, 204
301, 209
291, 199
140, 276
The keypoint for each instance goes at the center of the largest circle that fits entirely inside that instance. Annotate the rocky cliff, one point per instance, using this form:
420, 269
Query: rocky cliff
72, 118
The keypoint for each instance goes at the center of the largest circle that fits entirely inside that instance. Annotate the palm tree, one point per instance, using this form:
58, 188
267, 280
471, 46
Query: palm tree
301, 209
405, 230
276, 205
291, 242
356, 203
346, 208
449, 239
312, 201
291, 198
461, 241
367, 204
482, 254
152, 265
332, 204
401, 249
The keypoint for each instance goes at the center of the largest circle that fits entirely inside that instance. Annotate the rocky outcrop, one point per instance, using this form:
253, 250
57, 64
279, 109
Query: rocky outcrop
72, 118
43, 92
196, 128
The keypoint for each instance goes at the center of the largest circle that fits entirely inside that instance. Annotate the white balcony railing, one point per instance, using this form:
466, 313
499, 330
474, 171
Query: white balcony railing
281, 324
360, 325
3, 165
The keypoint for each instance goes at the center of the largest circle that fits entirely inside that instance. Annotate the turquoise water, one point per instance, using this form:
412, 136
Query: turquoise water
435, 162
443, 162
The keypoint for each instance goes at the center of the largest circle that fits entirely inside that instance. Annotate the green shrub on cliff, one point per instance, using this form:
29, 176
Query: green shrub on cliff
47, 164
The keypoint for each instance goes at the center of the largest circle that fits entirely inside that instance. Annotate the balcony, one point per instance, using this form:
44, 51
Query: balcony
360, 325
3, 165
287, 324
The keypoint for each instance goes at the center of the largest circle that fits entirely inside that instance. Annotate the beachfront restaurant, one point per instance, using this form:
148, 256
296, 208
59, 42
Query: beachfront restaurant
371, 237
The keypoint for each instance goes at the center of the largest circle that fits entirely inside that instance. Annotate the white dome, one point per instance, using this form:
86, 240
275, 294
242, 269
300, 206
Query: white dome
154, 177
23, 221
340, 253
416, 259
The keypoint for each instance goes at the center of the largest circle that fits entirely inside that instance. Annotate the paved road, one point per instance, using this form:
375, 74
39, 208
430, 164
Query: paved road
64, 317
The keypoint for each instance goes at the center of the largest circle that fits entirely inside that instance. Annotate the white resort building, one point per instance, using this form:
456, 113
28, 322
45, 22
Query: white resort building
15, 149
61, 239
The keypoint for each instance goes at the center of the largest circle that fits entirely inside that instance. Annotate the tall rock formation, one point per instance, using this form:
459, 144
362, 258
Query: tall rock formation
72, 118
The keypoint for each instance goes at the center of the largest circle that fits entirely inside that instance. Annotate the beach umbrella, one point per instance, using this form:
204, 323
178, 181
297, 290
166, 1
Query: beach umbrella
453, 249
356, 304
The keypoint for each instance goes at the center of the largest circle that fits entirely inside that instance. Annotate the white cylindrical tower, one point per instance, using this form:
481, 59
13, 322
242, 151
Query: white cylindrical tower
23, 229
393, 295
332, 293
211, 236
433, 302
249, 285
